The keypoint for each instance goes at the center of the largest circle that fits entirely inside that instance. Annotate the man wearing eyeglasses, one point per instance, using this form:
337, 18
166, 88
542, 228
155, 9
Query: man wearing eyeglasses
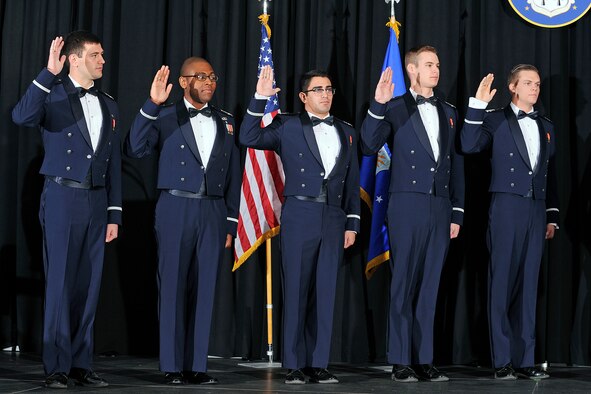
197, 211
523, 213
425, 206
320, 216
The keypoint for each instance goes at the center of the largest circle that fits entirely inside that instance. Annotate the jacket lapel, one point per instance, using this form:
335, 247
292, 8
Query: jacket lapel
417, 123
444, 134
344, 153
77, 111
544, 151
309, 136
517, 135
187, 129
220, 133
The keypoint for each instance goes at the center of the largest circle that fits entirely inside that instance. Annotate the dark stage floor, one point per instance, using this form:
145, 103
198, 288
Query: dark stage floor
22, 373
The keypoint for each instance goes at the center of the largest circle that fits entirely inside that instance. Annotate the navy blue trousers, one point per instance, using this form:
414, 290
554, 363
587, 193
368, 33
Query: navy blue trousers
516, 234
419, 229
312, 247
74, 223
191, 234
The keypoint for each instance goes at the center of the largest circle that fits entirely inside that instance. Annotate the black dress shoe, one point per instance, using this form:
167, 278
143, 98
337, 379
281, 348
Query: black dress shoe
174, 378
429, 373
506, 372
58, 380
404, 374
320, 375
295, 376
87, 378
200, 378
531, 373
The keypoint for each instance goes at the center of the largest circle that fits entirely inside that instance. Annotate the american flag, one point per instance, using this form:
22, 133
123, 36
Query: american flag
261, 196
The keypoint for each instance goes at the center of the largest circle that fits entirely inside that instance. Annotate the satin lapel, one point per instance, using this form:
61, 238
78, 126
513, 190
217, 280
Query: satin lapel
345, 151
309, 136
417, 123
77, 111
220, 134
544, 151
517, 135
107, 123
186, 129
444, 133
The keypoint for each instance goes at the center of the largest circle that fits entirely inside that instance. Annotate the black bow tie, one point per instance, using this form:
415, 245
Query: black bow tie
92, 90
205, 112
329, 120
423, 100
521, 115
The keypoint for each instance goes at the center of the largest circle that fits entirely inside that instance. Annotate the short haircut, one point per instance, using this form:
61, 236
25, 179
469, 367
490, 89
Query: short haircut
514, 73
74, 43
189, 61
307, 77
412, 55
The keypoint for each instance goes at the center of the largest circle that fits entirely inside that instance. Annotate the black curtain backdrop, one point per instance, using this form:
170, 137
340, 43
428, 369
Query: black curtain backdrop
348, 38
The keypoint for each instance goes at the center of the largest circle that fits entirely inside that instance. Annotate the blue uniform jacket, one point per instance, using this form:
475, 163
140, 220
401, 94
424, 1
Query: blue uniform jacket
413, 167
499, 131
292, 137
167, 130
53, 105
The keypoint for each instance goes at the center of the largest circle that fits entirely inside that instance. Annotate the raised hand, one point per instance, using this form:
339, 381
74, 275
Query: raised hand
160, 91
484, 93
385, 87
265, 82
55, 62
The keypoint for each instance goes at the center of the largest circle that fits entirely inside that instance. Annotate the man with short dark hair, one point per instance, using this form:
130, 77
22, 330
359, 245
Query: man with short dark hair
320, 216
80, 206
425, 206
197, 211
523, 213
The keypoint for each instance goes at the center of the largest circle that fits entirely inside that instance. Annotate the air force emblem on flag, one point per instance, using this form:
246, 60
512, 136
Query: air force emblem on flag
551, 13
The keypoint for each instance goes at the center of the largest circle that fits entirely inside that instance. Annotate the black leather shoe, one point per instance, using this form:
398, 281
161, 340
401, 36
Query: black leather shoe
58, 380
404, 374
87, 378
295, 376
531, 373
200, 378
320, 375
429, 373
506, 372
174, 378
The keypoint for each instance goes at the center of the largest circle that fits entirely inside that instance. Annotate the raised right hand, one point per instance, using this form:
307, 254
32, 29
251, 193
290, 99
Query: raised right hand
265, 82
160, 91
484, 93
55, 62
385, 87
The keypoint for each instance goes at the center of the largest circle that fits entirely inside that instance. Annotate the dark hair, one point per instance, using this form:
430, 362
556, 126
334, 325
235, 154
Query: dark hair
307, 77
74, 43
514, 73
413, 53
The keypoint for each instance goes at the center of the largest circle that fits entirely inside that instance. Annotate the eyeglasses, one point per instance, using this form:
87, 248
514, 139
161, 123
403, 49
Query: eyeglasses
319, 90
202, 77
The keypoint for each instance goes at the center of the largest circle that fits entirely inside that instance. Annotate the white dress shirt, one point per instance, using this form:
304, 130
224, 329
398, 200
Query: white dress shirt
329, 145
531, 135
92, 114
430, 119
204, 130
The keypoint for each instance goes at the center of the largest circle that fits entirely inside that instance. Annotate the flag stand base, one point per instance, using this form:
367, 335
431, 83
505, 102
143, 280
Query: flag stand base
263, 365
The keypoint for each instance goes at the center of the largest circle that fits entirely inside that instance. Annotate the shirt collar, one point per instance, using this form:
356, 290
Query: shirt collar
311, 114
516, 109
189, 105
77, 85
415, 94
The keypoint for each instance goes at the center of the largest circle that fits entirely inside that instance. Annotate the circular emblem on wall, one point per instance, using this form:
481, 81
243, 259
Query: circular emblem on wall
551, 13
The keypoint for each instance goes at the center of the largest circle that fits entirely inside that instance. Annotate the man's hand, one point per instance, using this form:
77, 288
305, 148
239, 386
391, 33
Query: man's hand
349, 238
160, 90
454, 230
112, 232
550, 230
484, 93
228, 241
265, 82
385, 87
55, 62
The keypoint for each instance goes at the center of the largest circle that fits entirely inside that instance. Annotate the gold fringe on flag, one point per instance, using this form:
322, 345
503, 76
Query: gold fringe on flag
392, 24
264, 18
